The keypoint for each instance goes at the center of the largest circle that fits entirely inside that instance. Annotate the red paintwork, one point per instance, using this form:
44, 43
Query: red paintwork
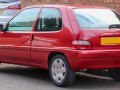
19, 48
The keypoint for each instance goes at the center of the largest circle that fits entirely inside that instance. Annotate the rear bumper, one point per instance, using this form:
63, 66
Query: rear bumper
94, 59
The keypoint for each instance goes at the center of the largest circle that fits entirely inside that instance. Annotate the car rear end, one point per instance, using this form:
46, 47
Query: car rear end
7, 9
96, 41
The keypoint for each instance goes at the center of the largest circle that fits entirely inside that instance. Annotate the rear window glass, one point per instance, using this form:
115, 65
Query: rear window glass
8, 1
96, 18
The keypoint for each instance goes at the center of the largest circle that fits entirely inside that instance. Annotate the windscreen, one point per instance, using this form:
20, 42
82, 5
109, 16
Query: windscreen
96, 18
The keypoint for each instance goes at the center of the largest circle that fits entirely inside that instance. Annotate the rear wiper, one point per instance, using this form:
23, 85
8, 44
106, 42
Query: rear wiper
114, 26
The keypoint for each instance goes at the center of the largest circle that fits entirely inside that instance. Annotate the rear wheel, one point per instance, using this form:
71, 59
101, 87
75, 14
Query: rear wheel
115, 73
60, 71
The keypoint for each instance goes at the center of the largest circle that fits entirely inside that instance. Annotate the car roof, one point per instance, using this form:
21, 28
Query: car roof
68, 6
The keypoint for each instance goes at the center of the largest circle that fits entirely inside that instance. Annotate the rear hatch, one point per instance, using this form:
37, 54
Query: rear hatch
9, 7
3, 6
100, 27
103, 39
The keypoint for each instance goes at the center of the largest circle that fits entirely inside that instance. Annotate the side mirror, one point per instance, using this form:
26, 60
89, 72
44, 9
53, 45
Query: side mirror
1, 27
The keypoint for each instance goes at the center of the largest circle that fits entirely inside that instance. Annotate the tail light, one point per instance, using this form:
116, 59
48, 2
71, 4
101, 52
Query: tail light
15, 6
82, 44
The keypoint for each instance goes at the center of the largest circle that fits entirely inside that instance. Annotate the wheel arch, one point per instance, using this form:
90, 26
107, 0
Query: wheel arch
52, 54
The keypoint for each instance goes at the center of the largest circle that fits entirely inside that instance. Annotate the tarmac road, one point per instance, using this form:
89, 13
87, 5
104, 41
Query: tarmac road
14, 77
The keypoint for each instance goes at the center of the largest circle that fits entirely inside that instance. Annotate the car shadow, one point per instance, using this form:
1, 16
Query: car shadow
26, 71
81, 81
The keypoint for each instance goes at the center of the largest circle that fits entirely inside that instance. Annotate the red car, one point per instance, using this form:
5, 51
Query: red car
63, 39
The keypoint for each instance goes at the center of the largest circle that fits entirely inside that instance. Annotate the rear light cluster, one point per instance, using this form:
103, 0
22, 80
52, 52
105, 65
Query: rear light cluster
82, 44
15, 6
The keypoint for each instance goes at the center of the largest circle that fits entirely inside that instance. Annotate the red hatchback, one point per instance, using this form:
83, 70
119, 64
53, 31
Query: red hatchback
63, 39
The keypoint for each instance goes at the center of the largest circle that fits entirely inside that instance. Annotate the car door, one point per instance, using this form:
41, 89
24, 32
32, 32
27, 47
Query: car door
15, 41
50, 34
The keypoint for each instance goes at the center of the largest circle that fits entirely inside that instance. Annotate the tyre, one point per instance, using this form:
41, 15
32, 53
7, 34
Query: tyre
114, 73
60, 72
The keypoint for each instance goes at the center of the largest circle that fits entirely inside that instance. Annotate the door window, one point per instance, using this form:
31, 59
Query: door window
24, 20
49, 20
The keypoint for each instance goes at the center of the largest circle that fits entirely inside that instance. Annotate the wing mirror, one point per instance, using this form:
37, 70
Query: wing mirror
2, 27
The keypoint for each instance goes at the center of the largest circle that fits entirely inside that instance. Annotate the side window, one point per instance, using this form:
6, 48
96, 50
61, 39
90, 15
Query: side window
49, 20
24, 20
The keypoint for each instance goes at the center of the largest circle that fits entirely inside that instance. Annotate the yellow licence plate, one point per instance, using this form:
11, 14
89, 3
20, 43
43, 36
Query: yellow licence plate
110, 40
1, 11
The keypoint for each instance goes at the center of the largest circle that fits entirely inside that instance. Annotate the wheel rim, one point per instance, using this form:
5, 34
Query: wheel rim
58, 70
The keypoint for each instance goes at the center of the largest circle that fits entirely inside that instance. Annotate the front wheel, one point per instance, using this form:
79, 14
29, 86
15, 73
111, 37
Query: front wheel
60, 71
114, 73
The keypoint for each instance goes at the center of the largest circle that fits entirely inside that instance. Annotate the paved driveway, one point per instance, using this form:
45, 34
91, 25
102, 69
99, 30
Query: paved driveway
13, 77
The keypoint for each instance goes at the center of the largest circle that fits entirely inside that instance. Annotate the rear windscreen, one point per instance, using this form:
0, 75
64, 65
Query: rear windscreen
96, 18
8, 1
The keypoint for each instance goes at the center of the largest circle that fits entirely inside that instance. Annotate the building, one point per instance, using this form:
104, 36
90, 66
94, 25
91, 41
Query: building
107, 3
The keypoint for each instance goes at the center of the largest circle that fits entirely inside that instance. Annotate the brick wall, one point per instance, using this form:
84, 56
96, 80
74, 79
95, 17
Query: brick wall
107, 3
